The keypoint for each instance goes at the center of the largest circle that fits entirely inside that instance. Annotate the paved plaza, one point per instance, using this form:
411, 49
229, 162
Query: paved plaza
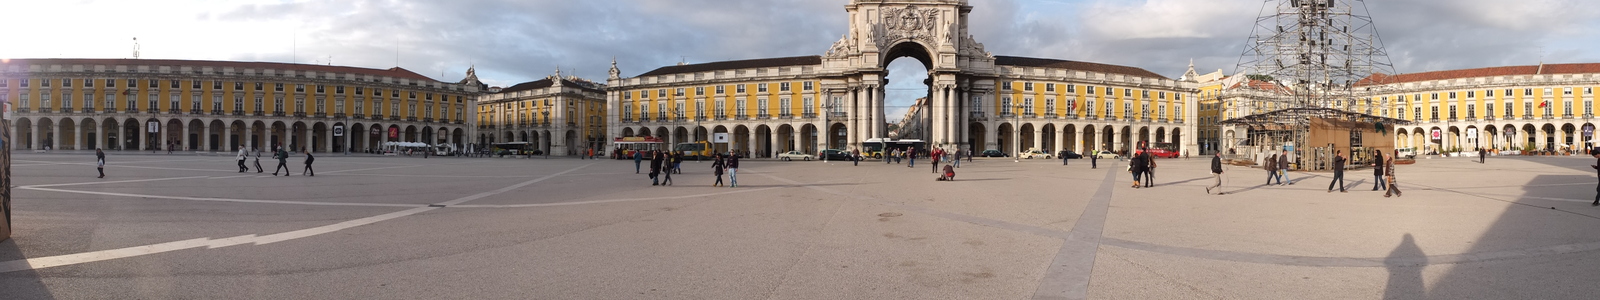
190, 227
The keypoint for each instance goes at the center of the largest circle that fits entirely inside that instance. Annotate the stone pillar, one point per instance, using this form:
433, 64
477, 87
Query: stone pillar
1038, 137
853, 113
347, 146
772, 145
1116, 140
327, 140
990, 137
77, 138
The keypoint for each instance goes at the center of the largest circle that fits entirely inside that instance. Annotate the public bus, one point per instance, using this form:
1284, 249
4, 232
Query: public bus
876, 147
624, 147
513, 148
695, 150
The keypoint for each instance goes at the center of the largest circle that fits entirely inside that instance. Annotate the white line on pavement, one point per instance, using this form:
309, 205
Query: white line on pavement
87, 257
210, 199
612, 200
108, 182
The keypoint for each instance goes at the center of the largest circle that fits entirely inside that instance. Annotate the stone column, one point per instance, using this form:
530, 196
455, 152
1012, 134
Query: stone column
327, 140
852, 120
1116, 140
77, 137
990, 137
772, 146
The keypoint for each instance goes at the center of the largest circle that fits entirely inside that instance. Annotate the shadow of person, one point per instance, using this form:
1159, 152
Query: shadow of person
1405, 265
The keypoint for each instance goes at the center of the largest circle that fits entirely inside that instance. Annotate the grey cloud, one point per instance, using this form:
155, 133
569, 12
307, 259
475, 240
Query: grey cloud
513, 41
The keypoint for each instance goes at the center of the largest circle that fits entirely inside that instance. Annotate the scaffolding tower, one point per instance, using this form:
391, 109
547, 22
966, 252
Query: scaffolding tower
1306, 59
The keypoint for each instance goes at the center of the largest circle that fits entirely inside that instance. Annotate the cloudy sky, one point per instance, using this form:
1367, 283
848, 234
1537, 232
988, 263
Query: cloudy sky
513, 41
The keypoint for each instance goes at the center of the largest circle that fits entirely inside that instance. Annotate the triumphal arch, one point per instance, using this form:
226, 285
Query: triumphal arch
975, 100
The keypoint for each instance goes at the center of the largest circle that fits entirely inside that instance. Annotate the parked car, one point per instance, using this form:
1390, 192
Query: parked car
1107, 155
793, 155
834, 154
992, 153
1163, 153
1069, 154
1034, 153
1408, 153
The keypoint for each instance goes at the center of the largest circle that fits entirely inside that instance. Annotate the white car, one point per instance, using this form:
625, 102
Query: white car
1106, 155
793, 155
1034, 153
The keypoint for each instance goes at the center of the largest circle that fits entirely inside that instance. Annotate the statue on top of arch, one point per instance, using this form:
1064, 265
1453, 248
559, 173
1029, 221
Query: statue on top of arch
842, 48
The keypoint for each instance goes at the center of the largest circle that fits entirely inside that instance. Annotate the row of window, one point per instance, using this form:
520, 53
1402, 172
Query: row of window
1027, 108
195, 105
216, 85
720, 90
1489, 110
720, 109
1090, 90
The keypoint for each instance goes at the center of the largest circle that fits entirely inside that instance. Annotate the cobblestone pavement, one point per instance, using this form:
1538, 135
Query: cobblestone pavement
188, 226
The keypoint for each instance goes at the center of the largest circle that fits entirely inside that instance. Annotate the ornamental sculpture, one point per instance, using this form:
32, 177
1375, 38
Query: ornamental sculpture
908, 23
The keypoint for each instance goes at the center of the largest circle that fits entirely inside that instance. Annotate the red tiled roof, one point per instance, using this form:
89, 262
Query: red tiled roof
1379, 78
238, 66
1261, 85
1074, 65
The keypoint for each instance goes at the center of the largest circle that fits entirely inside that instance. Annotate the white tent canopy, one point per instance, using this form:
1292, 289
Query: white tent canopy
404, 144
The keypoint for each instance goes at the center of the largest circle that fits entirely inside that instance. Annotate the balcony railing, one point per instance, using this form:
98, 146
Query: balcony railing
741, 117
838, 116
763, 116
1050, 115
809, 115
977, 116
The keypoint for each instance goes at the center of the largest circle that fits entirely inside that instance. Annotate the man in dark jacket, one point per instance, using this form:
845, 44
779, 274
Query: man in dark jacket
1338, 172
1271, 165
1216, 171
283, 162
655, 168
308, 171
1377, 170
1149, 168
733, 170
638, 156
1136, 165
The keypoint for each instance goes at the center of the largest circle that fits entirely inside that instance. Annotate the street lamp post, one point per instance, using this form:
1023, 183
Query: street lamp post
1016, 127
546, 113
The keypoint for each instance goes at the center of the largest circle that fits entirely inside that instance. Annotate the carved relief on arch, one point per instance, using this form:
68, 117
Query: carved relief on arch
907, 23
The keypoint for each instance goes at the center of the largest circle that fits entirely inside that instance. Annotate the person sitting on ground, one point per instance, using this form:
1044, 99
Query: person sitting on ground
949, 174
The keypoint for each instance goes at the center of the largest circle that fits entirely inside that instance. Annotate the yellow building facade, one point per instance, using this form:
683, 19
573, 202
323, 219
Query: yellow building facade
1546, 107
559, 116
184, 105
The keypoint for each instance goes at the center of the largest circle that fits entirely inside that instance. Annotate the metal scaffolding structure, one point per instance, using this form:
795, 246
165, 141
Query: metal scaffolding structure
1306, 59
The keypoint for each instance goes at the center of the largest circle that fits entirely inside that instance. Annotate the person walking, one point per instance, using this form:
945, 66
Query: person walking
1149, 169
669, 164
677, 162
1063, 159
638, 157
283, 162
308, 171
1216, 171
1388, 171
1136, 166
1596, 153
855, 157
733, 170
1483, 154
100, 162
1338, 172
958, 157
937, 155
1283, 169
655, 168
241, 158
718, 165
912, 156
258, 162
1271, 165
1378, 164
